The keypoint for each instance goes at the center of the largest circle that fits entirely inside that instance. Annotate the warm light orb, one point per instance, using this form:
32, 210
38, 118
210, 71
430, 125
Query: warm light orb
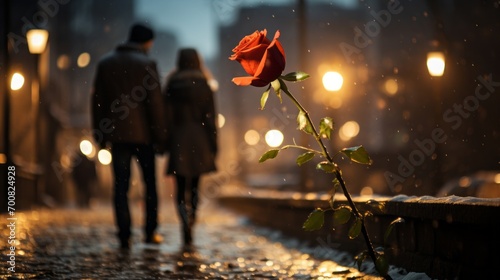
17, 81
497, 178
391, 86
66, 161
252, 137
83, 60
366, 191
104, 157
349, 130
435, 63
37, 40
87, 148
221, 120
63, 62
274, 138
332, 81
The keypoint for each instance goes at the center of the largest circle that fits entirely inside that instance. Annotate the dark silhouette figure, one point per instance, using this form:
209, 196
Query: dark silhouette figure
84, 177
128, 115
193, 142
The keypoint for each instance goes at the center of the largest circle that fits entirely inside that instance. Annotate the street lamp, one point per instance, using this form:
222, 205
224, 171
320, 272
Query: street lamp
435, 66
435, 63
37, 42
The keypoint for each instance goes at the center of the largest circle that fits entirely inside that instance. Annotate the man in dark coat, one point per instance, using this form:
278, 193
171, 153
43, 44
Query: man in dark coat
128, 117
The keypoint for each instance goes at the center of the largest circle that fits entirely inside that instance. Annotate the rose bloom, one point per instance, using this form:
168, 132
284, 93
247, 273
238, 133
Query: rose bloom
262, 59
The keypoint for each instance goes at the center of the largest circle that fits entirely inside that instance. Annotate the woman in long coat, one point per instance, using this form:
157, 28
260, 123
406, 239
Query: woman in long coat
193, 133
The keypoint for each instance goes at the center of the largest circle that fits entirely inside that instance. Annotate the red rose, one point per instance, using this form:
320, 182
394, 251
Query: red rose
264, 60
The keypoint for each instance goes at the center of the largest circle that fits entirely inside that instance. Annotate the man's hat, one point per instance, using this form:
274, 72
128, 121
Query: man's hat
140, 34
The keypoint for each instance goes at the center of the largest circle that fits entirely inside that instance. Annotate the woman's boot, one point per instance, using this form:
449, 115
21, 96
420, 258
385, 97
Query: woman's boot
186, 225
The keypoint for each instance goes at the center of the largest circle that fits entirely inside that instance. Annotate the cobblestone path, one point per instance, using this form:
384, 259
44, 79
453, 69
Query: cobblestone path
80, 244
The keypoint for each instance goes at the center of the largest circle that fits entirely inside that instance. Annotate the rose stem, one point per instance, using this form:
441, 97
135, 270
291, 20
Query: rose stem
369, 244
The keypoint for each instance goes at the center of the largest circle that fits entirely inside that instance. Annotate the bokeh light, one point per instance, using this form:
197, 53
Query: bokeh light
83, 60
63, 62
252, 137
221, 120
274, 138
366, 191
17, 81
332, 81
349, 130
87, 148
104, 157
391, 86
497, 178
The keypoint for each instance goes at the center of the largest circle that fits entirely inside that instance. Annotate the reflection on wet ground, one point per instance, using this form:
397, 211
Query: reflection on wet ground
80, 244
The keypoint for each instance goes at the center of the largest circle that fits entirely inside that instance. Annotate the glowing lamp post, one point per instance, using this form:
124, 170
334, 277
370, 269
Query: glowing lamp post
37, 42
16, 83
435, 64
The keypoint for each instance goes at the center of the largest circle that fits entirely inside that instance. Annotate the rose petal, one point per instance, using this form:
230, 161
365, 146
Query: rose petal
247, 81
243, 81
251, 58
272, 62
252, 40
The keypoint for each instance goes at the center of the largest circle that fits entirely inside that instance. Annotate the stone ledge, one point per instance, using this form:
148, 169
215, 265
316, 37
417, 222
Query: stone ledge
447, 238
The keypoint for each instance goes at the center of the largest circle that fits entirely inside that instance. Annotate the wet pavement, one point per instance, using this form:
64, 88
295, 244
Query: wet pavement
80, 244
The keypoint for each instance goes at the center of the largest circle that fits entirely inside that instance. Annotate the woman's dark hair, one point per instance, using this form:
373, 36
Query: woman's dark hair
188, 59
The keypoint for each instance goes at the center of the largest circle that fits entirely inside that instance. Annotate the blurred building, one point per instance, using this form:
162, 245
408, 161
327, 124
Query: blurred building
420, 130
45, 147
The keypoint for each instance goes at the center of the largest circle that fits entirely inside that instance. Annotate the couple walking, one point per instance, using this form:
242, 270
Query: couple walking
134, 117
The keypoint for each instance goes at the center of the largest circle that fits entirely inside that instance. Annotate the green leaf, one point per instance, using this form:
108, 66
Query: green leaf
295, 76
304, 124
381, 264
327, 166
269, 155
358, 154
264, 97
391, 226
336, 183
305, 157
315, 220
360, 258
325, 127
355, 229
341, 215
